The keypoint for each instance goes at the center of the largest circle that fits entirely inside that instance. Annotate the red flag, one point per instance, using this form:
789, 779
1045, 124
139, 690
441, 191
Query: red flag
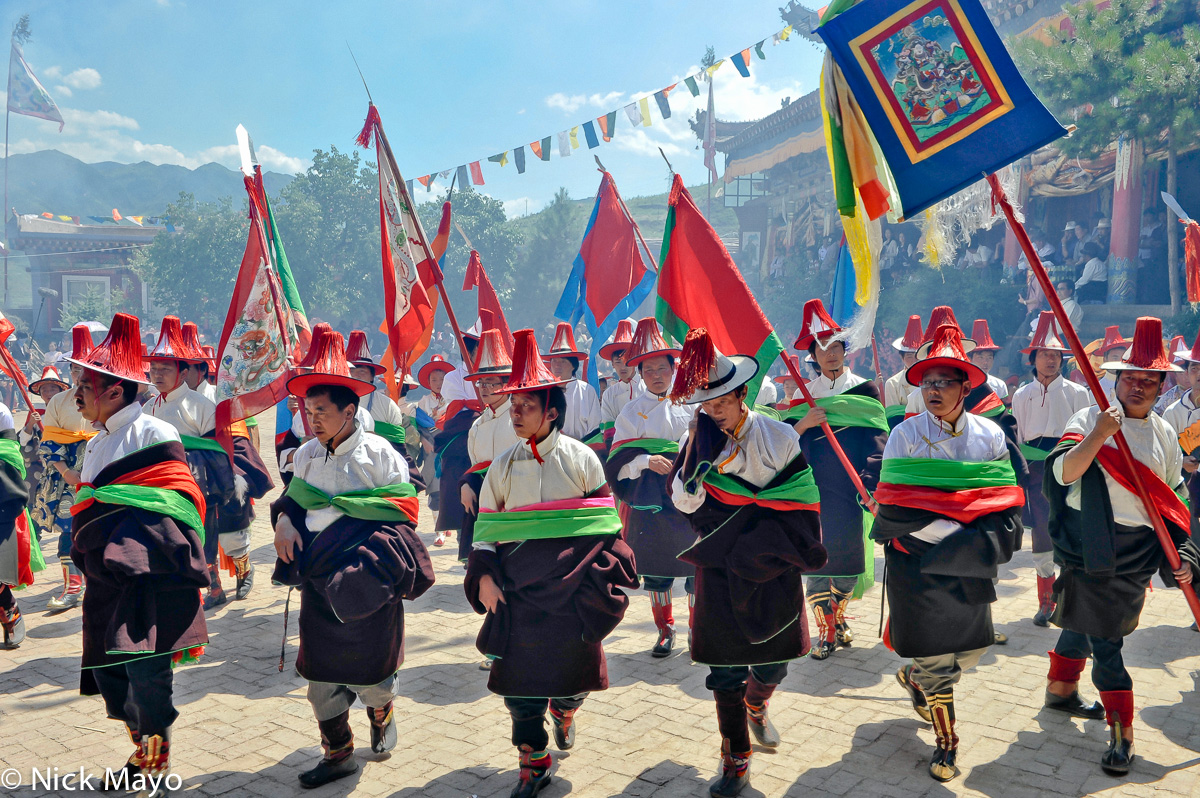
476, 174
491, 315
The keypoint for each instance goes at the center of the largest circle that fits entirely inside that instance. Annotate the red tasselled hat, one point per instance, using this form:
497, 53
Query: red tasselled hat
945, 350
191, 340
210, 355
529, 370
319, 331
171, 346
982, 337
564, 343
648, 342
436, 363
49, 374
1190, 355
1177, 343
621, 339
815, 325
358, 352
81, 341
1146, 352
704, 373
942, 314
328, 367
119, 355
1047, 336
912, 336
492, 359
1112, 340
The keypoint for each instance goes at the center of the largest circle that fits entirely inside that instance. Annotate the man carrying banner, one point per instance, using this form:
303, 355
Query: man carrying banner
897, 389
1103, 538
744, 484
345, 533
547, 567
583, 406
627, 386
194, 418
851, 406
1042, 408
949, 515
645, 444
139, 539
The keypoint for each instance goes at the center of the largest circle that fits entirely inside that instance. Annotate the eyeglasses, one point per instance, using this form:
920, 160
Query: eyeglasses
938, 385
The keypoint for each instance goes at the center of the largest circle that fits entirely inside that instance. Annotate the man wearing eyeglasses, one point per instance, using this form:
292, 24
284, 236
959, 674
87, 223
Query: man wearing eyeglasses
949, 515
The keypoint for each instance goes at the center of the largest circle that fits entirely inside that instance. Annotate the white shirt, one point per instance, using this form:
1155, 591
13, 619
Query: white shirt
1108, 383
973, 439
821, 386
650, 416
583, 409
127, 430
361, 417
617, 395
491, 434
757, 451
998, 385
1094, 271
768, 394
1153, 443
61, 412
456, 387
1182, 413
897, 389
1074, 312
207, 390
381, 408
361, 462
186, 410
1044, 410
433, 404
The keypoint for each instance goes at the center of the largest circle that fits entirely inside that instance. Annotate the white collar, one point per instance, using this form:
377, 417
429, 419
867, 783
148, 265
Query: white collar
955, 429
175, 395
348, 445
122, 418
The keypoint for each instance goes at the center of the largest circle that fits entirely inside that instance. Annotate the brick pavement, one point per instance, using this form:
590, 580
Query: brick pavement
246, 729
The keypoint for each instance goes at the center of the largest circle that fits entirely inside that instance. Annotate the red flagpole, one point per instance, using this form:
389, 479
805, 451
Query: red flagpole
1089, 375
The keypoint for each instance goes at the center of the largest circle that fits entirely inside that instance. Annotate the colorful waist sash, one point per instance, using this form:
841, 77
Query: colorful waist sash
568, 518
166, 488
389, 503
650, 446
963, 491
192, 444
66, 436
799, 492
844, 410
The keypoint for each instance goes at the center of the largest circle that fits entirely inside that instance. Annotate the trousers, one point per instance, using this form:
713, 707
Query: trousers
936, 675
139, 693
1108, 666
529, 718
330, 700
732, 677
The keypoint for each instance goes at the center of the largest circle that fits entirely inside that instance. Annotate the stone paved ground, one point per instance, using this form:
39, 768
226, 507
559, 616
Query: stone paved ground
246, 729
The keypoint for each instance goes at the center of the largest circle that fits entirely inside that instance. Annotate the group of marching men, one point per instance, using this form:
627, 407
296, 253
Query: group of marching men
564, 500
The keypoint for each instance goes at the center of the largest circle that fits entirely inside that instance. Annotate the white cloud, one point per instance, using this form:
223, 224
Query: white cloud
520, 206
52, 73
275, 161
86, 78
88, 121
572, 103
62, 91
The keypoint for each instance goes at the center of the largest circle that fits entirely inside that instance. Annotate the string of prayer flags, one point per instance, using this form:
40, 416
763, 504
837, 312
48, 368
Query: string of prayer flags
589, 133
519, 159
461, 175
501, 159
608, 124
660, 97
476, 174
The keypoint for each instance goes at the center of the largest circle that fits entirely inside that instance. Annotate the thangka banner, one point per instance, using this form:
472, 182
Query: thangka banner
939, 92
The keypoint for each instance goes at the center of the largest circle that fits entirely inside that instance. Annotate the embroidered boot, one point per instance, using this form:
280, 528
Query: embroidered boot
825, 641
216, 594
1045, 592
535, 772
156, 764
1064, 674
337, 740
915, 694
732, 722
840, 602
664, 619
735, 773
758, 696
13, 623
383, 728
564, 727
245, 577
1118, 711
943, 765
72, 590
122, 778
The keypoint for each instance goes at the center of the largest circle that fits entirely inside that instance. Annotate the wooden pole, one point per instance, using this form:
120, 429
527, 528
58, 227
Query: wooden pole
1089, 375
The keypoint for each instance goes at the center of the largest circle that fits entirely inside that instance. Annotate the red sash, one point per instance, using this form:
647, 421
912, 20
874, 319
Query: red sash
1170, 506
963, 506
171, 475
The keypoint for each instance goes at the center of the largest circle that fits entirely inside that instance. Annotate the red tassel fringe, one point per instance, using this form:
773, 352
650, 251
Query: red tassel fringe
695, 364
364, 135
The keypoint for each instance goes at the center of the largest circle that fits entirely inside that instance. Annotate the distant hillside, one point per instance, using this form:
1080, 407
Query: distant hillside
49, 181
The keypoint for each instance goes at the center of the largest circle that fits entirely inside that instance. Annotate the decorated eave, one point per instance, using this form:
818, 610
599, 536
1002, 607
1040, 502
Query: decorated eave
756, 146
33, 229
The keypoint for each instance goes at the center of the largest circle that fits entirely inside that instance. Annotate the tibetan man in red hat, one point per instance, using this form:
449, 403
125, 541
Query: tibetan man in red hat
139, 539
389, 421
626, 387
949, 516
853, 409
984, 356
565, 359
1042, 408
744, 484
60, 447
345, 533
547, 566
647, 439
897, 389
1103, 537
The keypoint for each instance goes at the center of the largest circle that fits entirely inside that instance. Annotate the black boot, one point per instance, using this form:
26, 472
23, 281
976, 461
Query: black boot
535, 773
1118, 709
1074, 705
563, 721
215, 596
338, 742
245, 577
758, 697
383, 728
735, 773
13, 624
915, 694
942, 766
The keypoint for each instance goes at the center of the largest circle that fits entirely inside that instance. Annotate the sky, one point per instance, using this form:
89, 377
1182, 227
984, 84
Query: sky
167, 81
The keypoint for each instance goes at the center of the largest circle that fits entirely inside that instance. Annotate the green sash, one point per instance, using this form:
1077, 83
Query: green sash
1033, 453
768, 411
800, 488
200, 444
373, 504
647, 446
993, 413
573, 522
155, 500
895, 413
390, 432
845, 410
10, 452
947, 474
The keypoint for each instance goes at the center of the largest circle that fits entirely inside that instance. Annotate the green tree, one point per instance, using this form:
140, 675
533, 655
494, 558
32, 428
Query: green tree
554, 238
94, 304
1129, 69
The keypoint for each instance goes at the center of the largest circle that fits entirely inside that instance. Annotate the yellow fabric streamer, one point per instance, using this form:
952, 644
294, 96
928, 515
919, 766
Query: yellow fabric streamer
66, 436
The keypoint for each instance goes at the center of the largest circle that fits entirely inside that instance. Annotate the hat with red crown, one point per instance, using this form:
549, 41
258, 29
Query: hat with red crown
912, 336
210, 355
436, 363
529, 370
49, 375
648, 342
1177, 343
704, 373
81, 341
191, 340
787, 374
564, 343
1146, 351
620, 341
492, 359
982, 337
328, 366
944, 314
815, 326
319, 331
171, 346
119, 355
1047, 336
945, 350
1189, 355
1112, 340
359, 353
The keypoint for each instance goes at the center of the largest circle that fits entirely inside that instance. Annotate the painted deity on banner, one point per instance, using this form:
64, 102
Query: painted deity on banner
402, 234
931, 73
255, 355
